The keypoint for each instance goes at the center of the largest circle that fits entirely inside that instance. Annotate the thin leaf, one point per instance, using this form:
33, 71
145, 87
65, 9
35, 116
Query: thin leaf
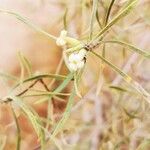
66, 115
94, 9
120, 15
22, 73
37, 77
65, 18
59, 88
26, 64
98, 20
46, 94
108, 12
118, 88
33, 117
8, 76
27, 22
131, 47
127, 78
56, 76
77, 77
18, 130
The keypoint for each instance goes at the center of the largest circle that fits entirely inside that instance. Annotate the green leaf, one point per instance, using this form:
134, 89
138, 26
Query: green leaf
77, 77
118, 88
93, 16
33, 117
55, 76
25, 66
98, 20
8, 76
25, 63
18, 130
131, 47
37, 77
120, 15
46, 94
27, 22
22, 74
66, 115
108, 12
127, 78
59, 88
65, 18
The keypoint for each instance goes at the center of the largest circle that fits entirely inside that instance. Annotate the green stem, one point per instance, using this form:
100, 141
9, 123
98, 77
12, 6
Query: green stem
108, 12
18, 130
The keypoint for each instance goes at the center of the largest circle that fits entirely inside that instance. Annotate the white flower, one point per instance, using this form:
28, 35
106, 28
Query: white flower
61, 40
72, 67
80, 64
76, 60
82, 53
74, 57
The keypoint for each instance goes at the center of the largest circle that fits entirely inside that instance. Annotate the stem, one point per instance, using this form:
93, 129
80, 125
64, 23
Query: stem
18, 130
108, 12
23, 92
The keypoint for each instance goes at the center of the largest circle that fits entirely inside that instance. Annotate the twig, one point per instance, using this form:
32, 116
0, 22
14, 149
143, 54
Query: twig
44, 84
23, 92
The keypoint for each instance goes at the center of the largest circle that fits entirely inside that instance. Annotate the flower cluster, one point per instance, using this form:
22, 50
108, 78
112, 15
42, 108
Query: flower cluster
75, 60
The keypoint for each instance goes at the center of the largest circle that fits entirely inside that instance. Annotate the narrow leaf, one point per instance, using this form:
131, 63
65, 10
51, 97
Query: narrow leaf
108, 12
18, 130
131, 47
118, 88
120, 15
59, 88
33, 117
27, 22
66, 115
93, 16
127, 78
46, 94
26, 64
37, 77
8, 76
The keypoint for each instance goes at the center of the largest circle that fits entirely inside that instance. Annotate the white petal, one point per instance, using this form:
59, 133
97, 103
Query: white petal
74, 58
60, 42
80, 65
63, 33
71, 57
82, 53
72, 67
77, 57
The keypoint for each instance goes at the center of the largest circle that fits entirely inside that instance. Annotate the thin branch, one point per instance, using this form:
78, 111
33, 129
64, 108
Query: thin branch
23, 92
18, 130
108, 12
44, 84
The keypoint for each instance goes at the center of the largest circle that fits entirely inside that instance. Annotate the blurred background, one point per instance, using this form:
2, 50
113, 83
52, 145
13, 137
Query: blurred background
111, 115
